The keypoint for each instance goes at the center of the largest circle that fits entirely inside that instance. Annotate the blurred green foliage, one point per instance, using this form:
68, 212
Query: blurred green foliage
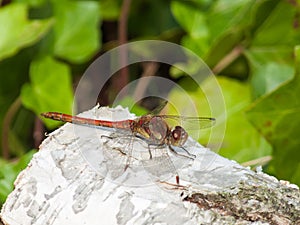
45, 45
276, 117
9, 172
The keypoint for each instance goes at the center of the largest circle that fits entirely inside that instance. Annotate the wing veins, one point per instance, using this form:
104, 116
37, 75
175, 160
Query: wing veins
204, 122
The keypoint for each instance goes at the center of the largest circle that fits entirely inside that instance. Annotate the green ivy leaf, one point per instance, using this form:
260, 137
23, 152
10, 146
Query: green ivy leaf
50, 88
194, 22
190, 18
278, 27
270, 55
228, 17
269, 77
17, 31
276, 116
76, 29
269, 68
218, 24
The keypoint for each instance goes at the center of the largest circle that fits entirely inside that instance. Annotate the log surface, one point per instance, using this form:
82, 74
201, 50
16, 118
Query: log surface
78, 177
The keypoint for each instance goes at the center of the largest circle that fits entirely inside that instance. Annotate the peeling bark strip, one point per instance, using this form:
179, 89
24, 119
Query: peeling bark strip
77, 178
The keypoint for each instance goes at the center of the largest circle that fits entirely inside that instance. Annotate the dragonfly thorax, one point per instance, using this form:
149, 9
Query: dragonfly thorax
178, 136
158, 130
155, 130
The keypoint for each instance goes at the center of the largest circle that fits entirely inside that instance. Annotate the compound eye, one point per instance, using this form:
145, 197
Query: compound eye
179, 136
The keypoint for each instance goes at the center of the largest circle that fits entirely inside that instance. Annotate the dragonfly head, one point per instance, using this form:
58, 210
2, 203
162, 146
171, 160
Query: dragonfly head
178, 136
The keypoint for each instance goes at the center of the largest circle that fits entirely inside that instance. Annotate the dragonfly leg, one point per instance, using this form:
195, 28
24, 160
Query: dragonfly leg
177, 179
114, 148
128, 154
150, 153
190, 156
157, 145
107, 137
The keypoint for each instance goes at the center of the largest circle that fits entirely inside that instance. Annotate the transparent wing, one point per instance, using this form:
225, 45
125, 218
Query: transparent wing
159, 108
189, 122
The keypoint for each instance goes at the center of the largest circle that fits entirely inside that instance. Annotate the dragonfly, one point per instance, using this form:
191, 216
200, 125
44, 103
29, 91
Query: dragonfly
153, 129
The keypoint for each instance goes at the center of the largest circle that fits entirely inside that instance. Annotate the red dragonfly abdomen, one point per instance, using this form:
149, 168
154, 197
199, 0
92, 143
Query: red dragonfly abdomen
123, 124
